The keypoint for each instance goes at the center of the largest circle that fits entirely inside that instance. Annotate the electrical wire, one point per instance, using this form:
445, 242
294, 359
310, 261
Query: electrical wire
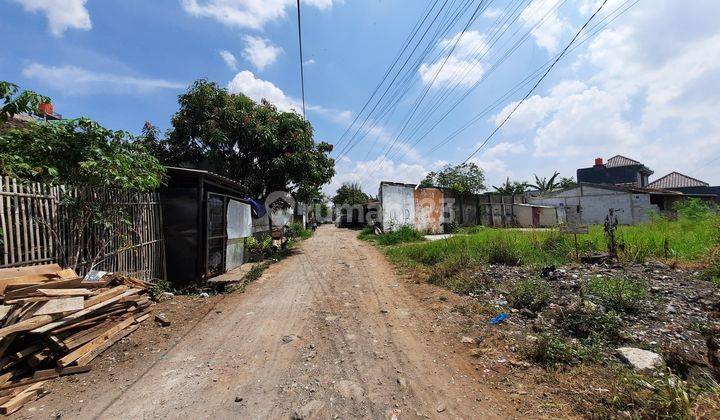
302, 72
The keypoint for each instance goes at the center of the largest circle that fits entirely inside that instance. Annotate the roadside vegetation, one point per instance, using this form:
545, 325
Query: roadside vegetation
692, 237
567, 321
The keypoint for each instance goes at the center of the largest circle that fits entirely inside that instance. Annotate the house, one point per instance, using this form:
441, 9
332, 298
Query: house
619, 170
205, 223
432, 210
676, 181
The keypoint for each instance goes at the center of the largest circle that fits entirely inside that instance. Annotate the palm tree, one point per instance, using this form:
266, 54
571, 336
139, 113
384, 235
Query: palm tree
544, 184
511, 188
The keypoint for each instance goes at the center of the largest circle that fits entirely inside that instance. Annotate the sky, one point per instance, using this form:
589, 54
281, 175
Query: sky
645, 84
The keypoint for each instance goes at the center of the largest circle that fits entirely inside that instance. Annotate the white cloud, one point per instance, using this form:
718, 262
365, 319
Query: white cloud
462, 67
648, 94
504, 148
309, 62
549, 33
74, 80
492, 13
251, 14
229, 59
61, 14
257, 89
370, 173
260, 51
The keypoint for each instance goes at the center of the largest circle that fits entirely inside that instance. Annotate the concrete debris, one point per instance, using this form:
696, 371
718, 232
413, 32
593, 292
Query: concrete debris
641, 360
162, 320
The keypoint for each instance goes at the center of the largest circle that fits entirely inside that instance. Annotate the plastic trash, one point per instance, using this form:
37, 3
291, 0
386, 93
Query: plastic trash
499, 318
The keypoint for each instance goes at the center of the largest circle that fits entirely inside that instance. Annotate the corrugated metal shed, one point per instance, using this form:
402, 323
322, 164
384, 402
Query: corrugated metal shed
677, 180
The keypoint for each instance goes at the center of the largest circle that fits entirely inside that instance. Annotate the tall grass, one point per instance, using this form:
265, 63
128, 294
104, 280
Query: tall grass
684, 239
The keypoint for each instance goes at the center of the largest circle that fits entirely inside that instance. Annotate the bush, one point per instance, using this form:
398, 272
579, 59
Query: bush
296, 230
402, 235
591, 325
532, 294
550, 350
619, 293
159, 287
503, 252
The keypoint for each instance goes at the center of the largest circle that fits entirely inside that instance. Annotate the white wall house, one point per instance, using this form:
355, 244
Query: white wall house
588, 204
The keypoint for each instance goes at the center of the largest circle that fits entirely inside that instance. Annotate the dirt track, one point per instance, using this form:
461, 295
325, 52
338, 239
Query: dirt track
330, 331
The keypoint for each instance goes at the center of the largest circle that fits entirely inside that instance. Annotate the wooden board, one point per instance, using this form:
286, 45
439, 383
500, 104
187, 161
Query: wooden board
61, 305
87, 357
32, 290
52, 325
94, 344
47, 269
28, 324
65, 292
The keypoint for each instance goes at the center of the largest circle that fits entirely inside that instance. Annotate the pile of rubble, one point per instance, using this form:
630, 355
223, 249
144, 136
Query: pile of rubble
55, 323
673, 319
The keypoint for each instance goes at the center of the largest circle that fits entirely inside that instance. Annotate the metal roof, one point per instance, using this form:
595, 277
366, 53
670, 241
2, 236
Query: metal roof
210, 175
677, 180
619, 160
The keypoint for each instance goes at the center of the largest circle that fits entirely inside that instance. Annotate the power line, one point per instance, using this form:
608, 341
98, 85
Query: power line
507, 118
599, 26
302, 73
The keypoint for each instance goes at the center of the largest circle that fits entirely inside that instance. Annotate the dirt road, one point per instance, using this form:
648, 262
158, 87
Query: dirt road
330, 332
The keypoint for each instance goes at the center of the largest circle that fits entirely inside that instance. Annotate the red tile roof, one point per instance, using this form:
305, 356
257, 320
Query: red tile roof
619, 160
677, 180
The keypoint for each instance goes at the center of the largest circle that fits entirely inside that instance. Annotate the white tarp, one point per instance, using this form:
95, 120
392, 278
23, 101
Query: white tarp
239, 220
239, 227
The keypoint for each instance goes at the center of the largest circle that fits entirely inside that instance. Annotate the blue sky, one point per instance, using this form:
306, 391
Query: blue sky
646, 86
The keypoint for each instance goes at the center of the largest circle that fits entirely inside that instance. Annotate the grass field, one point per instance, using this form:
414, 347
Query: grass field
686, 239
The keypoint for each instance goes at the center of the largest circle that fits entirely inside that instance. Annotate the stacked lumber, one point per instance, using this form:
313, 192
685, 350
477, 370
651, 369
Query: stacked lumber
54, 323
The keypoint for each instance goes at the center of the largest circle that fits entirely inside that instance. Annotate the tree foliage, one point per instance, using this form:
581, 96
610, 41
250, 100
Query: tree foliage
350, 194
546, 184
511, 187
13, 102
567, 182
253, 143
465, 178
78, 152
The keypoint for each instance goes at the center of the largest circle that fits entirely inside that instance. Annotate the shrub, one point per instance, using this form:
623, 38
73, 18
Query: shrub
550, 350
159, 287
591, 325
532, 294
402, 235
503, 251
296, 230
619, 293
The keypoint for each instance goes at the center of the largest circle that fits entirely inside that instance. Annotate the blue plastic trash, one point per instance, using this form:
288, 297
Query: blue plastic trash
499, 318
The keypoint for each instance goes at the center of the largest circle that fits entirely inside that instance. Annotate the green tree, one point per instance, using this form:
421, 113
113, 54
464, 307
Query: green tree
13, 102
78, 152
546, 184
350, 194
465, 178
511, 188
567, 182
253, 143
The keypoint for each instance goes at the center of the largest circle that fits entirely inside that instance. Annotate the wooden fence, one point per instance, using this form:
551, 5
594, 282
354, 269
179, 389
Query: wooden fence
40, 225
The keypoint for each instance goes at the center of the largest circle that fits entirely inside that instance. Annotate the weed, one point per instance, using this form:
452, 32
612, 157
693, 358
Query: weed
402, 235
159, 287
532, 294
591, 325
550, 350
456, 276
712, 264
502, 251
367, 233
555, 243
619, 293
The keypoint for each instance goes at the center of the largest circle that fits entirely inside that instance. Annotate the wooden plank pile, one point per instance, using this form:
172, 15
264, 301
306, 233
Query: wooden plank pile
54, 323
